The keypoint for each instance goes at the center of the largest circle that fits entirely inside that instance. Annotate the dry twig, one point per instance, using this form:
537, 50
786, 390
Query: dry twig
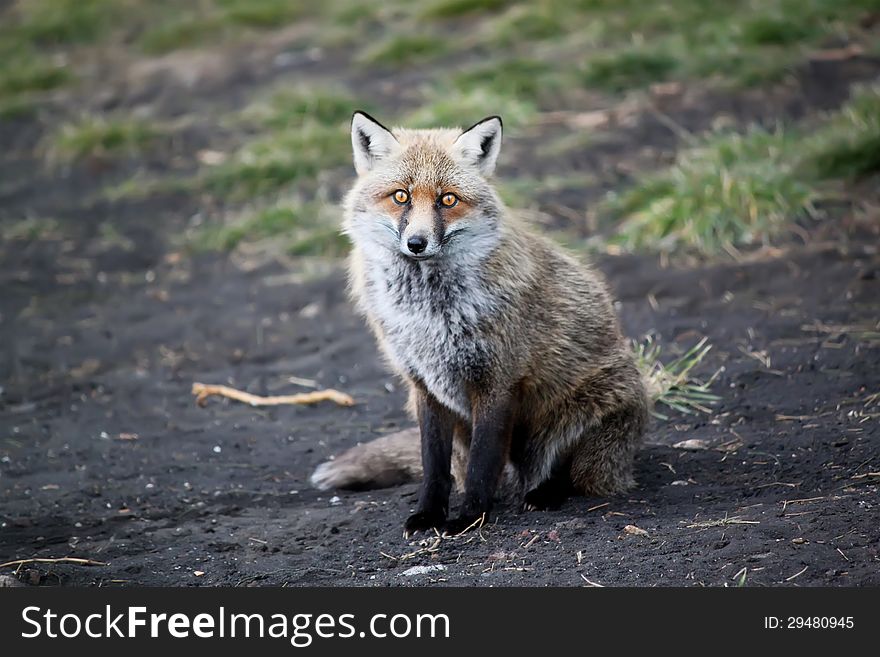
202, 391
71, 560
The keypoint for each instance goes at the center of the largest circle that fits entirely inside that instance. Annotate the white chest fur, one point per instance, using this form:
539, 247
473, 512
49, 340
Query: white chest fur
431, 316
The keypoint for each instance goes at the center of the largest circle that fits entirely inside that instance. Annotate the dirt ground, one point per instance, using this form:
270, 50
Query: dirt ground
106, 457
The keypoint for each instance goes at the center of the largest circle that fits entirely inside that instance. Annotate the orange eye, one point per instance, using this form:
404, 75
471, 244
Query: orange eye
449, 200
401, 197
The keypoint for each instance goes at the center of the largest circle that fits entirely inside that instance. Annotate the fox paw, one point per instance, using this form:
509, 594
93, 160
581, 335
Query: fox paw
423, 521
544, 498
463, 523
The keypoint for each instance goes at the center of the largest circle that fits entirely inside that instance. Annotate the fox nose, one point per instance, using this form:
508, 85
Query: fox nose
417, 244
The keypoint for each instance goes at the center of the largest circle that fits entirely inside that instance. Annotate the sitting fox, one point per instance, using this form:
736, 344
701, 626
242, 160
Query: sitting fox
510, 348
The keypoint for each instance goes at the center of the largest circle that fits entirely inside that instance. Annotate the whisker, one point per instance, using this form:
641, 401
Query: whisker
452, 233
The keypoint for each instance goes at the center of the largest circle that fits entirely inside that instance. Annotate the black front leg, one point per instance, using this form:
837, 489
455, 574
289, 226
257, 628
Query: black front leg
490, 446
436, 424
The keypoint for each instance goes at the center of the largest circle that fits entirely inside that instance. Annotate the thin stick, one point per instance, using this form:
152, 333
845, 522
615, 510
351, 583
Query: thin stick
593, 584
797, 574
202, 391
73, 560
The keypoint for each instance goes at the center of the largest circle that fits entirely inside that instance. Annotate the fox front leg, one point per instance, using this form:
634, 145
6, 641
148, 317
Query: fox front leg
490, 446
436, 424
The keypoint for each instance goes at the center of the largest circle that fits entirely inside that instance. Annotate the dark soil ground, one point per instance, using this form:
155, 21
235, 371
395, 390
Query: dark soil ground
106, 457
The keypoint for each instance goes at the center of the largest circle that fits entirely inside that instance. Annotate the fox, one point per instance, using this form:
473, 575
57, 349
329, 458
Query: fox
518, 375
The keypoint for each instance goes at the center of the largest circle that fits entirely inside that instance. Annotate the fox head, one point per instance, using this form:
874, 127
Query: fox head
424, 194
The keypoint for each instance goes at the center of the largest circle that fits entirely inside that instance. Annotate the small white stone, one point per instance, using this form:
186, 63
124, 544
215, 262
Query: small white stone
423, 570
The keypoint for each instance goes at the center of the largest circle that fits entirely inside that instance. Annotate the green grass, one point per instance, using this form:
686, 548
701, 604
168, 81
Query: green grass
740, 189
271, 163
512, 76
673, 384
214, 22
732, 189
187, 30
776, 31
527, 23
29, 71
18, 107
450, 108
309, 228
629, 69
290, 108
102, 137
455, 8
262, 13
849, 144
303, 134
406, 49
61, 22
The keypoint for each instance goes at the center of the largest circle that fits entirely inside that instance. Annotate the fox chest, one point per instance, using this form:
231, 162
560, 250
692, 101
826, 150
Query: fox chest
431, 326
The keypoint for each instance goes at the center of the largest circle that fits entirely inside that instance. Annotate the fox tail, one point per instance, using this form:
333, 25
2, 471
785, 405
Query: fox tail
383, 462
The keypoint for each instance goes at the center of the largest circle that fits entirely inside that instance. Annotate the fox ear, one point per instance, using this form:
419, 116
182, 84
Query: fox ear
370, 140
479, 145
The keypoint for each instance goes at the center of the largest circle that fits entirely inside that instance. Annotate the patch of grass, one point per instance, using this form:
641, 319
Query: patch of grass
627, 69
849, 145
775, 30
186, 30
303, 228
453, 8
673, 384
516, 76
528, 23
294, 107
59, 22
462, 108
17, 107
102, 137
273, 162
262, 13
31, 72
401, 49
732, 189
735, 189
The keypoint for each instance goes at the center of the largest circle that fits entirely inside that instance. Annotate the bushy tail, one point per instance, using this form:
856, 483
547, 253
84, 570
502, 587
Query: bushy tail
386, 461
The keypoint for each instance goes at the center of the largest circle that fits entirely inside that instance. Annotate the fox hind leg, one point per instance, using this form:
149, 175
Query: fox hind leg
602, 462
551, 493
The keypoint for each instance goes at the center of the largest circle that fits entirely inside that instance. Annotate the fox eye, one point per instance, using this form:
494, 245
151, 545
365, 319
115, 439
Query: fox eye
401, 197
449, 200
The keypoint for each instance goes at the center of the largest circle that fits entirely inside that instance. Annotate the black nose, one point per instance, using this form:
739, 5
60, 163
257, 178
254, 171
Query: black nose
417, 244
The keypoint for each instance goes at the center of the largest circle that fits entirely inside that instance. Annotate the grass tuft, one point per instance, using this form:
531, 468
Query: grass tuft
102, 137
302, 228
629, 69
732, 189
849, 145
61, 22
271, 163
454, 8
404, 49
292, 108
450, 108
31, 73
261, 13
775, 31
512, 76
673, 384
735, 189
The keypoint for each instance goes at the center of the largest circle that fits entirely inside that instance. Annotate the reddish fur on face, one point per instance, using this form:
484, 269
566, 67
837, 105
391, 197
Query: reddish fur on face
424, 199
